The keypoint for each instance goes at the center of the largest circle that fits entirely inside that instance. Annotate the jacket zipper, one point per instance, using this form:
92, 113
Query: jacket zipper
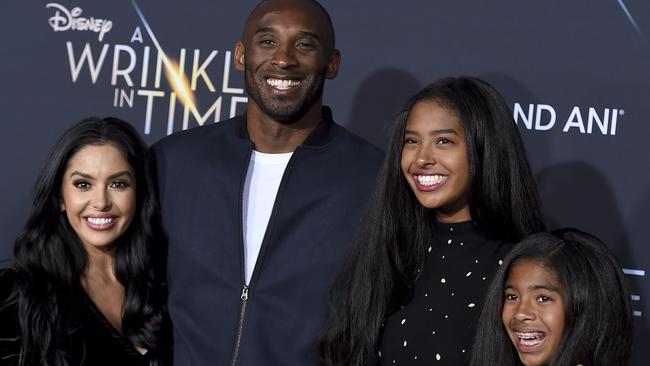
242, 273
240, 325
245, 288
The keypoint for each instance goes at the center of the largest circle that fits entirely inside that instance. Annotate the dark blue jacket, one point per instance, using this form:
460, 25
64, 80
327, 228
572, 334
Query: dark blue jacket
276, 320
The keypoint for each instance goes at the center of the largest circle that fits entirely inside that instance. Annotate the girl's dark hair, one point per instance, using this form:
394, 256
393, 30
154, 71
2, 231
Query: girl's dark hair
50, 259
598, 314
389, 246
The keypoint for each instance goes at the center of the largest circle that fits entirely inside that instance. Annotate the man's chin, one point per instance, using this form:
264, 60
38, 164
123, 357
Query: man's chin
286, 118
285, 114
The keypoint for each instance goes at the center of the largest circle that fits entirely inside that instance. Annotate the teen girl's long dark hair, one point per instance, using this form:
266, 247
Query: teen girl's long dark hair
50, 259
389, 246
598, 313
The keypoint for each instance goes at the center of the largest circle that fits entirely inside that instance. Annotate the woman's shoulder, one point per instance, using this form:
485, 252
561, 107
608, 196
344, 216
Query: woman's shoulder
9, 340
8, 295
7, 274
7, 284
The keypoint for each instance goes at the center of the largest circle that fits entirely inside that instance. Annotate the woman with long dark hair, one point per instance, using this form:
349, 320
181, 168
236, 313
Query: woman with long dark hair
455, 190
560, 298
85, 286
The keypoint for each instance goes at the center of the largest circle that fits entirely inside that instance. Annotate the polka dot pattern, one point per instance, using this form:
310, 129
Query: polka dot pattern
436, 322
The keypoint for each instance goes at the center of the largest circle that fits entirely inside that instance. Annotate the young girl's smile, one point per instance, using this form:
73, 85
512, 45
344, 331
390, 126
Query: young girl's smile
533, 311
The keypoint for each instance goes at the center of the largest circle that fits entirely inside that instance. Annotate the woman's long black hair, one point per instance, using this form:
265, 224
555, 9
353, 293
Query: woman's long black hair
50, 259
598, 313
389, 246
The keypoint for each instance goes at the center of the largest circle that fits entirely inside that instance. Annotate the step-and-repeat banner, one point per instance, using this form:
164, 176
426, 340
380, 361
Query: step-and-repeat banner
576, 75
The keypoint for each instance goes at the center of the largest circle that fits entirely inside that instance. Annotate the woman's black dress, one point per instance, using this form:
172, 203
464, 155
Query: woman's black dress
93, 342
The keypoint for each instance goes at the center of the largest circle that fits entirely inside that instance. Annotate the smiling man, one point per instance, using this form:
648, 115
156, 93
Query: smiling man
260, 209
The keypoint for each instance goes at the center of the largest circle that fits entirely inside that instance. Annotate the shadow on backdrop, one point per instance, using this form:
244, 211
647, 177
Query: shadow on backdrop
577, 195
376, 102
19, 207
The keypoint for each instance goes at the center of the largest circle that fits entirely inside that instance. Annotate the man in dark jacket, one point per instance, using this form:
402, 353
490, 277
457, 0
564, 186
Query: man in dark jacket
260, 209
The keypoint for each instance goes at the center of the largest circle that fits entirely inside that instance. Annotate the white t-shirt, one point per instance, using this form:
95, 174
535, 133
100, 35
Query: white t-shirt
262, 182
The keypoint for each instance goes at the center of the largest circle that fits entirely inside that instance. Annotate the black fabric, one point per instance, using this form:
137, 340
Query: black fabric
93, 342
9, 328
323, 193
436, 326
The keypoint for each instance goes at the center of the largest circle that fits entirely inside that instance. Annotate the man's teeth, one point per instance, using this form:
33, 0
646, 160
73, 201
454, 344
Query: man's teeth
283, 84
429, 180
100, 220
530, 338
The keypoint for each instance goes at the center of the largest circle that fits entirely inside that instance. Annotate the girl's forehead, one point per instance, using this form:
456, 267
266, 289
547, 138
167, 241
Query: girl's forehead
533, 272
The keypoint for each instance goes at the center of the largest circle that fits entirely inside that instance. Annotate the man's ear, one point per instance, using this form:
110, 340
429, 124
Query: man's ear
239, 56
333, 64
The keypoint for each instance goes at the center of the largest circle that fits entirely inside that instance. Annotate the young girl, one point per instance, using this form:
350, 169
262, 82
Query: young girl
455, 191
558, 299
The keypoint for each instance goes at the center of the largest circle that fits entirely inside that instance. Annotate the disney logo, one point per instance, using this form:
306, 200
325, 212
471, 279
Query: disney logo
64, 19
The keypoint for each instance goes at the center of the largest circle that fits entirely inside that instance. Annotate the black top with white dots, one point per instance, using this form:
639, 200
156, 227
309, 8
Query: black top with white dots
436, 327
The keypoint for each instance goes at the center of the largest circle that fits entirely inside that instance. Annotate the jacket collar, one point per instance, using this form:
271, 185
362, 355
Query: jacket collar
321, 135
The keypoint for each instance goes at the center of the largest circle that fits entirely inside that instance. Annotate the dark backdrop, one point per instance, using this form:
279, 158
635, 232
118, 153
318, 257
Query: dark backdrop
576, 73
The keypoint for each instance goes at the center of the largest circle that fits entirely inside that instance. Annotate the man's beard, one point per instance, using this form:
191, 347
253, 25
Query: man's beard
279, 107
